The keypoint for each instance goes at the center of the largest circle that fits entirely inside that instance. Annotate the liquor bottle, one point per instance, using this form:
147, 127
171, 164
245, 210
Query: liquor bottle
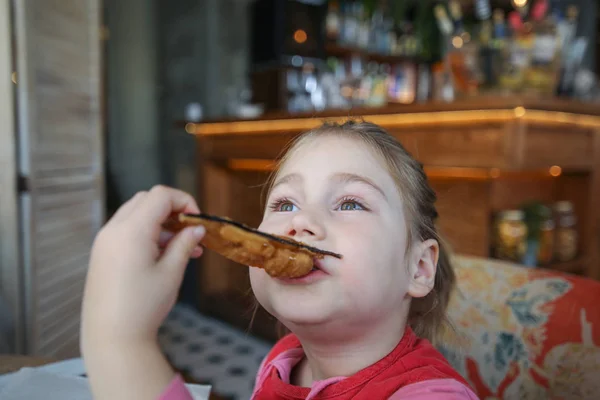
377, 29
573, 49
546, 45
364, 28
350, 24
499, 26
493, 42
332, 21
411, 45
388, 32
444, 23
378, 95
515, 21
367, 82
540, 10
483, 9
399, 39
567, 28
426, 33
545, 56
456, 14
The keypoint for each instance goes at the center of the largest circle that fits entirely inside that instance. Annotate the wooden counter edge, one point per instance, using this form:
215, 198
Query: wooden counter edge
554, 106
398, 118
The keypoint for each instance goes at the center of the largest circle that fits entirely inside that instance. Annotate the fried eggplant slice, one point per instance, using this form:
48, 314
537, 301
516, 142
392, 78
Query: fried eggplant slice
279, 256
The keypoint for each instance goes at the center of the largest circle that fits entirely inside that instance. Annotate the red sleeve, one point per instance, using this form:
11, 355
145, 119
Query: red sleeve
176, 390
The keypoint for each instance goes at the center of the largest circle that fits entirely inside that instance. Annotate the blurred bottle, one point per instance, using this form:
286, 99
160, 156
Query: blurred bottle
483, 9
543, 74
333, 21
573, 50
457, 17
510, 236
377, 30
541, 232
444, 22
364, 28
500, 30
350, 23
545, 253
566, 231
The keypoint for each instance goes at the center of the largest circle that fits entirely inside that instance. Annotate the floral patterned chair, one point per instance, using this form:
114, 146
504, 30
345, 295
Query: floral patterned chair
523, 333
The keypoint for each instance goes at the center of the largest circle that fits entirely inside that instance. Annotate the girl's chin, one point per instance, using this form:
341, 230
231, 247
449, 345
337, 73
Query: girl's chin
294, 315
294, 304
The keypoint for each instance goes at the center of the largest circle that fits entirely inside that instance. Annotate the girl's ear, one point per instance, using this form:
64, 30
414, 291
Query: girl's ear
422, 268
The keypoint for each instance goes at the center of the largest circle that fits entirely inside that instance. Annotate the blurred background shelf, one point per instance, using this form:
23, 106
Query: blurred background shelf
334, 50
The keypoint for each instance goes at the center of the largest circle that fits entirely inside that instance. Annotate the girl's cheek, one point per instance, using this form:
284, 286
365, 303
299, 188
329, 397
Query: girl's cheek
258, 283
269, 223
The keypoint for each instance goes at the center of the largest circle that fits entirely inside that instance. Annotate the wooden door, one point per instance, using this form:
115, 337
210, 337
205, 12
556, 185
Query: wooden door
59, 128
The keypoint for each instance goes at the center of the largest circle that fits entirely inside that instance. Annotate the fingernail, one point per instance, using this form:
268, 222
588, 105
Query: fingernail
199, 231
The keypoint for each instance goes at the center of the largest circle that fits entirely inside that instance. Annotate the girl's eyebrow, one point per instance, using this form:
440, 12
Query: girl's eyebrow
339, 178
289, 178
344, 177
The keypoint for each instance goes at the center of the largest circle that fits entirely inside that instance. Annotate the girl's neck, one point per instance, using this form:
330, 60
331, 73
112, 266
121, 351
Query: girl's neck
346, 354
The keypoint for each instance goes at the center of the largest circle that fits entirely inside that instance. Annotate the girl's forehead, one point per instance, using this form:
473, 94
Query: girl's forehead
336, 147
333, 153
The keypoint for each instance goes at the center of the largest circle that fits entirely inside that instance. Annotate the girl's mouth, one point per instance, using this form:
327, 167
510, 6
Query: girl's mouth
317, 265
316, 274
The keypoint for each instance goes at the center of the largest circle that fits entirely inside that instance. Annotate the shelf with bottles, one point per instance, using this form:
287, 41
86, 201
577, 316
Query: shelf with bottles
381, 29
539, 235
390, 52
527, 47
338, 83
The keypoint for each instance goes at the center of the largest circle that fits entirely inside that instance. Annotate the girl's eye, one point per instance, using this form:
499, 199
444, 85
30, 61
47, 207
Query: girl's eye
283, 206
351, 206
286, 207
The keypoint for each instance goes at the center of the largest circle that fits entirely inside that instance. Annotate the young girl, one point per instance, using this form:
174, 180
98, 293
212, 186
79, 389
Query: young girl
361, 326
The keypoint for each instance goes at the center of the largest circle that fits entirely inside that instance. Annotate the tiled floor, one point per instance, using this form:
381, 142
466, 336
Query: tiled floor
212, 352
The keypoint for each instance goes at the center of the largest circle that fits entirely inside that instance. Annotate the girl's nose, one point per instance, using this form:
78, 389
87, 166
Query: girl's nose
305, 225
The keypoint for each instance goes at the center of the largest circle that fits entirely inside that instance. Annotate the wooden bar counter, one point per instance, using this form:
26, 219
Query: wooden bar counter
481, 155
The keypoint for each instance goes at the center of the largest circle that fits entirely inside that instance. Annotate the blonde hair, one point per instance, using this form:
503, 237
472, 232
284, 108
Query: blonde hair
427, 315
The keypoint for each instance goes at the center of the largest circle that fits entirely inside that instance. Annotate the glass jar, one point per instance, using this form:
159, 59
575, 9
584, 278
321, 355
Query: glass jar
511, 235
545, 253
566, 231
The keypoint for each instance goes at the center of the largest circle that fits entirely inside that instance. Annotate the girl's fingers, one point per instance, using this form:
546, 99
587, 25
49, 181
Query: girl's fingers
164, 238
180, 249
161, 202
126, 209
197, 252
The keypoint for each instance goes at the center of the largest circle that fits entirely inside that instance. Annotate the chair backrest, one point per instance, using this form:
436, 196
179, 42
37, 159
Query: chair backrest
525, 333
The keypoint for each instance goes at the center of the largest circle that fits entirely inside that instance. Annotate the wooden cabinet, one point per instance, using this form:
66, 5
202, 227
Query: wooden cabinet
481, 157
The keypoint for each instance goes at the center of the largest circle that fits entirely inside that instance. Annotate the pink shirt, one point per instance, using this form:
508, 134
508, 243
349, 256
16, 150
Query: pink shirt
433, 389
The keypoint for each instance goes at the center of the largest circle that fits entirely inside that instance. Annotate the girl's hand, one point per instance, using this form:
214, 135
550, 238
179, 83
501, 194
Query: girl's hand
132, 283
134, 276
